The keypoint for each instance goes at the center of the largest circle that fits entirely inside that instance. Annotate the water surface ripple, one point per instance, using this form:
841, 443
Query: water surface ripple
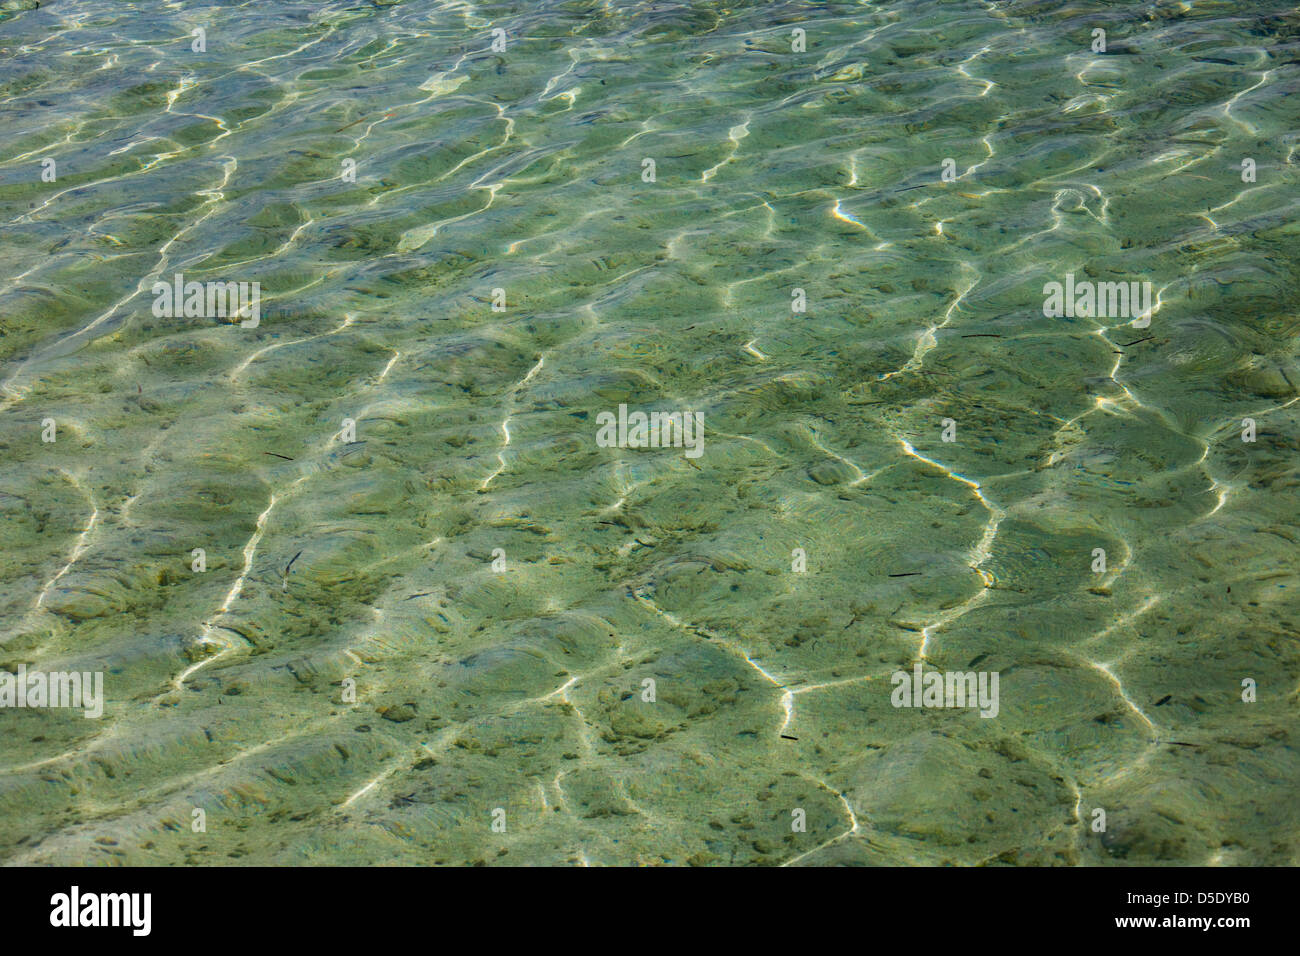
331, 561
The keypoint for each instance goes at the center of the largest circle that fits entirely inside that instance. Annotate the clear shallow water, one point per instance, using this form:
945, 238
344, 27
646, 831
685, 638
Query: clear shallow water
522, 170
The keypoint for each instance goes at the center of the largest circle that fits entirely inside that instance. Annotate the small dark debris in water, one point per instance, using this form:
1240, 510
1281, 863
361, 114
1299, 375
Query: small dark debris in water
1179, 743
362, 120
979, 658
788, 737
905, 574
291, 561
285, 457
1164, 700
982, 335
1125, 345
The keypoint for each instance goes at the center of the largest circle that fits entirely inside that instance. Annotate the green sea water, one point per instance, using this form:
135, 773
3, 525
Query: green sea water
365, 587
